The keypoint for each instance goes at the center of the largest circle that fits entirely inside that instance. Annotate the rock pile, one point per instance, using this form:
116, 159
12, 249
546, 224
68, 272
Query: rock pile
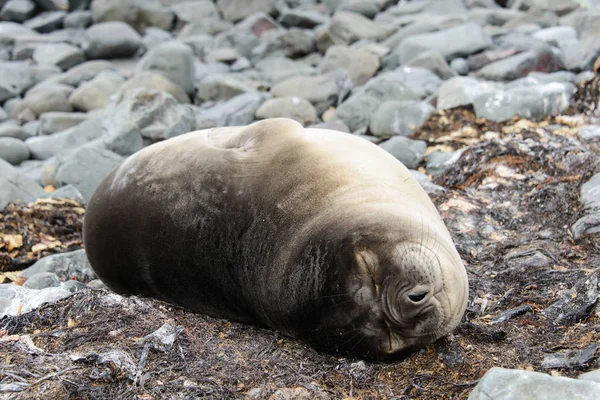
85, 83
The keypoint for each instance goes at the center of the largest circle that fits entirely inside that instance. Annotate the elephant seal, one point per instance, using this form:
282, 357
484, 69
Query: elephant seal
317, 234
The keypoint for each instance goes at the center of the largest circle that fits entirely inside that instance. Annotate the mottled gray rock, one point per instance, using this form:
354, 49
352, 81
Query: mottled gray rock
409, 152
196, 11
45, 99
294, 108
534, 102
155, 80
174, 60
277, 69
221, 87
556, 34
13, 131
64, 56
17, 77
426, 183
399, 118
14, 185
420, 81
47, 21
570, 359
17, 10
580, 55
434, 62
246, 35
586, 133
460, 91
82, 73
111, 40
73, 264
83, 168
237, 111
541, 59
458, 41
96, 93
505, 384
321, 90
78, 19
237, 10
293, 43
42, 280
348, 27
52, 122
360, 64
139, 14
439, 162
586, 226
358, 109
13, 150
305, 19
20, 300
139, 115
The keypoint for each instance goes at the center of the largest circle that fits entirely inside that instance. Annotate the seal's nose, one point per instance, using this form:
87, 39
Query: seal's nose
414, 300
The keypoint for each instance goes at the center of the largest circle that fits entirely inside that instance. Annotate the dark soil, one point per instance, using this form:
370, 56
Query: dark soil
511, 200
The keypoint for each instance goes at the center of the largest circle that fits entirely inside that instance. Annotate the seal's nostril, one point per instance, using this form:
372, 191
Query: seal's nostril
415, 298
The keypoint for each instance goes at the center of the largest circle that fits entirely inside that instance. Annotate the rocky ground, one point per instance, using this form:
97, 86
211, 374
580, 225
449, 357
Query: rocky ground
493, 105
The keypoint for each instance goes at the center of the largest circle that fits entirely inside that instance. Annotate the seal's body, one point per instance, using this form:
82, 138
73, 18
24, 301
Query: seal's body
315, 233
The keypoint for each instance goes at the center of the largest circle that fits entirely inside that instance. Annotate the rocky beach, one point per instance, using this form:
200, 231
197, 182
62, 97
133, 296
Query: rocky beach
492, 105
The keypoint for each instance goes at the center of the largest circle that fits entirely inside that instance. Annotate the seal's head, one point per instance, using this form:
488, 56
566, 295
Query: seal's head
403, 290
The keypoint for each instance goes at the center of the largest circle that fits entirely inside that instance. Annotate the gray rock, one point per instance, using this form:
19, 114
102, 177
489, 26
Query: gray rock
42, 280
82, 73
222, 55
420, 81
46, 99
139, 14
32, 169
221, 87
570, 359
534, 102
586, 133
321, 90
425, 183
356, 112
52, 5
590, 193
78, 19
47, 21
110, 40
17, 10
305, 19
505, 384
580, 55
460, 66
96, 284
541, 59
14, 185
155, 36
65, 266
348, 27
409, 152
591, 376
360, 64
543, 77
211, 27
434, 62
73, 286
460, 91
399, 118
367, 8
13, 150
237, 10
64, 56
65, 192
201, 44
479, 60
52, 122
294, 108
21, 300
96, 93
586, 226
246, 35
196, 11
439, 162
584, 77
139, 115
237, 111
174, 60
13, 131
17, 77
83, 168
3, 115
277, 69
287, 43
457, 41
155, 80
556, 34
